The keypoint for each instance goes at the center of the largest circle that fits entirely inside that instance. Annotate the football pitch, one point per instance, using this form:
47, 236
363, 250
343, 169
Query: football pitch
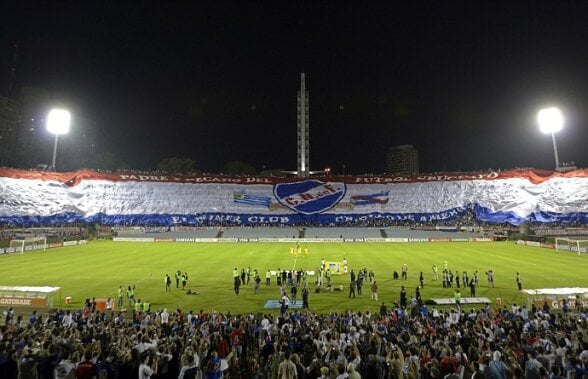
100, 267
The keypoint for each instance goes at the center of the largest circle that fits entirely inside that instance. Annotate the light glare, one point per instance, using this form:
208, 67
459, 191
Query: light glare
550, 120
58, 121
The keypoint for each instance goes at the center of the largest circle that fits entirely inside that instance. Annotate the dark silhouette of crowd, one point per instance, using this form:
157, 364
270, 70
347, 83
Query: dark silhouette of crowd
450, 344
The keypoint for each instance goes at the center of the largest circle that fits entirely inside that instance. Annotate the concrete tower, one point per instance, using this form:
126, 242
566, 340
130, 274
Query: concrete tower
303, 169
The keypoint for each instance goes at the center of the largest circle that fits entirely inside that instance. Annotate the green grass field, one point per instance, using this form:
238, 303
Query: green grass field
98, 268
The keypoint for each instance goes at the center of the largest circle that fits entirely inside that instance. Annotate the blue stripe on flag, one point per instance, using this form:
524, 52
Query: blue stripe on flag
242, 198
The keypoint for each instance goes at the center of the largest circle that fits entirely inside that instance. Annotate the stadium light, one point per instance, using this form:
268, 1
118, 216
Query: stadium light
551, 120
58, 122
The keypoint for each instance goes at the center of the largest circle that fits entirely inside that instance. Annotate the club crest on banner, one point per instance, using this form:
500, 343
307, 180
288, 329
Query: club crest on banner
310, 196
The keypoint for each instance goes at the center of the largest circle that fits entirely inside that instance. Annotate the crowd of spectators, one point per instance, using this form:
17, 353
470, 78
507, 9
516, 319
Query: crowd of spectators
393, 344
466, 221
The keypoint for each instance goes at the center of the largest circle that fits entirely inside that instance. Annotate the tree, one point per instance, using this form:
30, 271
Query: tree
176, 165
108, 161
238, 168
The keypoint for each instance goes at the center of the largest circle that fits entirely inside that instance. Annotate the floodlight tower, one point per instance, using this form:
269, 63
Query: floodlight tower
57, 123
551, 120
303, 169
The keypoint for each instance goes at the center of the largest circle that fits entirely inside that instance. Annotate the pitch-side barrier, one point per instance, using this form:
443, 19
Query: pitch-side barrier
294, 240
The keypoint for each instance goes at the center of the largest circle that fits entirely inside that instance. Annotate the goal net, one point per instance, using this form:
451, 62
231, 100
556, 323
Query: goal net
33, 243
571, 244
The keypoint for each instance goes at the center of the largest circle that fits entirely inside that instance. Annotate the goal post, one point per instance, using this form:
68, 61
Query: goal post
571, 244
32, 243
17, 246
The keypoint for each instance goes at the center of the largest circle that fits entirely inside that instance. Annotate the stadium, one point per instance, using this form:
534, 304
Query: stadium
261, 220
194, 270
79, 242
172, 236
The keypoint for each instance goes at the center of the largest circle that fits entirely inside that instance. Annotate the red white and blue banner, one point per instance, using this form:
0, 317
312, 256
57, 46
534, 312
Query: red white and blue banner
44, 198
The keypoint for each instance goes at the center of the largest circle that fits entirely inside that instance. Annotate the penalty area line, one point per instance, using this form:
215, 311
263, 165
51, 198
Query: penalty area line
295, 259
142, 279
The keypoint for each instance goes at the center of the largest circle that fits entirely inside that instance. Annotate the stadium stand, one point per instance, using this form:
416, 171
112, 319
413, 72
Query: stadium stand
256, 233
194, 233
413, 233
337, 232
302, 232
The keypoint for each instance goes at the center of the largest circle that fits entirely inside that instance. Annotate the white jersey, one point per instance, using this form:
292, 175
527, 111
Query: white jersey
164, 317
286, 300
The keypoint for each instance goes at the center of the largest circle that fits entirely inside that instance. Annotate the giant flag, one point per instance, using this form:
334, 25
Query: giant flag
516, 196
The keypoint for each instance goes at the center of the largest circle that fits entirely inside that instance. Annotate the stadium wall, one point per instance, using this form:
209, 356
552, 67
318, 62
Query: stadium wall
8, 250
297, 240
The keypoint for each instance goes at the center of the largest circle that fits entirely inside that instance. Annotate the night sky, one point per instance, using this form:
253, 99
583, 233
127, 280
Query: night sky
217, 81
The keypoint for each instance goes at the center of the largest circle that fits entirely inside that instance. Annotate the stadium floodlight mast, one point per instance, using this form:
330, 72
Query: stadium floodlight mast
58, 122
551, 120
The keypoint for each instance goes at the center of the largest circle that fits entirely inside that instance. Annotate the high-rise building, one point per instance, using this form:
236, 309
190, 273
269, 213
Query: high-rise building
34, 142
402, 159
9, 128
